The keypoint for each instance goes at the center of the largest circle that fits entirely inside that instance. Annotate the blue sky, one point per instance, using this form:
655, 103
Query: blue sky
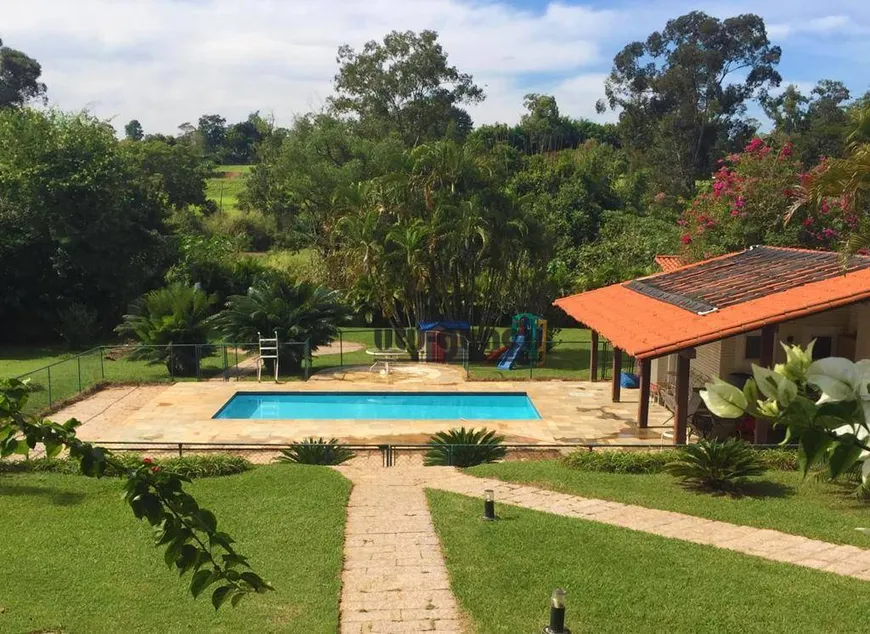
168, 61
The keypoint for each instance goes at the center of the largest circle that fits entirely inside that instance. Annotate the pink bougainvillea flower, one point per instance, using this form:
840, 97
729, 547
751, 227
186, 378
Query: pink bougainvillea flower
735, 213
808, 222
825, 207
740, 201
686, 238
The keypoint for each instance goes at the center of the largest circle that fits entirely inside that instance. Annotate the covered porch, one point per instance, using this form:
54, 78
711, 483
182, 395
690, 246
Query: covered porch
717, 317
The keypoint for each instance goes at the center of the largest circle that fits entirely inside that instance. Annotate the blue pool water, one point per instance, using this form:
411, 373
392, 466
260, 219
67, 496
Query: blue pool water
379, 405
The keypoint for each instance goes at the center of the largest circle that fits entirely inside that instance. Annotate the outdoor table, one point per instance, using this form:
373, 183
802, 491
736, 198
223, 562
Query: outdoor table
385, 357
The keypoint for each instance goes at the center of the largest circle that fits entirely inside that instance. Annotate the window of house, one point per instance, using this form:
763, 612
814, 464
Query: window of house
753, 347
824, 347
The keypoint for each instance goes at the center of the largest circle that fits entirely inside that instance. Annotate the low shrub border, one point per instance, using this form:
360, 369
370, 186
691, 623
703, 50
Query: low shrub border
654, 461
191, 466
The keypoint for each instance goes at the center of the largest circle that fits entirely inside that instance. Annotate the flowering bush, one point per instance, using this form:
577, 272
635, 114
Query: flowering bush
747, 202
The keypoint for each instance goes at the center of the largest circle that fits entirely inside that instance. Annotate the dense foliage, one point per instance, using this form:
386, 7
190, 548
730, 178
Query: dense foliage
192, 466
747, 203
80, 223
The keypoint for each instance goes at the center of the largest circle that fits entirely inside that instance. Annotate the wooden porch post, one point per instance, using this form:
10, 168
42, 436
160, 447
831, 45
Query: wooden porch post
593, 355
617, 368
768, 343
681, 415
643, 403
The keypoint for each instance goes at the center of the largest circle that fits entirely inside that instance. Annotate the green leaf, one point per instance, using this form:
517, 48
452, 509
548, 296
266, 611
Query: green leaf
206, 520
237, 596
201, 580
813, 443
220, 595
844, 455
186, 558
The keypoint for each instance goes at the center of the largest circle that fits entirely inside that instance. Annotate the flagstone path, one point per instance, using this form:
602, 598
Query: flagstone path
395, 580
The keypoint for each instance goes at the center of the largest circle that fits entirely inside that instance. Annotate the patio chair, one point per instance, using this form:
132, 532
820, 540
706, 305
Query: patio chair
268, 350
692, 407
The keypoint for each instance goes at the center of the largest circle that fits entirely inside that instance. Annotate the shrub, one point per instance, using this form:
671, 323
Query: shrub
716, 465
78, 325
316, 451
170, 324
464, 448
620, 461
193, 466
614, 461
297, 311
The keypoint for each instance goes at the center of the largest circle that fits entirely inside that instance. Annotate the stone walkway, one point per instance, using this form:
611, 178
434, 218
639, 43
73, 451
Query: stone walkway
395, 580
394, 577
843, 560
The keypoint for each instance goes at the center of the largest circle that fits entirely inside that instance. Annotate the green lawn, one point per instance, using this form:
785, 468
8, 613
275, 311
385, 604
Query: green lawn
569, 358
76, 560
625, 581
780, 500
225, 189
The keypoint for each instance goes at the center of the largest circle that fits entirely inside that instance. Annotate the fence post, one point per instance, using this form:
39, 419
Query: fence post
180, 454
171, 364
236, 348
102, 367
307, 357
197, 352
49, 385
226, 367
79, 368
340, 349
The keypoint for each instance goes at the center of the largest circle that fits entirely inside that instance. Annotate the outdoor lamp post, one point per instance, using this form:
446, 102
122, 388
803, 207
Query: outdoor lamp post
557, 614
489, 505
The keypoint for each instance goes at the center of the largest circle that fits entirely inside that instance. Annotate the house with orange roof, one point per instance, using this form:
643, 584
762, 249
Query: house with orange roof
717, 317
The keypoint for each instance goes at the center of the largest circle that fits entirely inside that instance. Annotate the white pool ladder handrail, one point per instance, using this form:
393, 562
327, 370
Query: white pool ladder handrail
268, 350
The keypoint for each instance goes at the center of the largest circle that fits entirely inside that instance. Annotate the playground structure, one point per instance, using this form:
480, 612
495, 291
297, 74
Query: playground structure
528, 342
444, 341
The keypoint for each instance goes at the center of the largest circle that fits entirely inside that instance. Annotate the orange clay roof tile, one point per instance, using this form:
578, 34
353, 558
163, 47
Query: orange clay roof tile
784, 289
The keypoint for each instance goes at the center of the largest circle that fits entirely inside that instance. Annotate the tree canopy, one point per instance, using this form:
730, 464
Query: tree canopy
682, 91
404, 85
19, 78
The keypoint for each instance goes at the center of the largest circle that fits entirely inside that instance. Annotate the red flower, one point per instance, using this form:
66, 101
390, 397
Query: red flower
686, 238
155, 469
808, 222
147, 460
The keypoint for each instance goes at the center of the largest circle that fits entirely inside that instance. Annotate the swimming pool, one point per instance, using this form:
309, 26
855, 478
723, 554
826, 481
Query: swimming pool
379, 405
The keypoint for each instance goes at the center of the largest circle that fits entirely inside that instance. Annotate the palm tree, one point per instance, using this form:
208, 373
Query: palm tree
171, 326
299, 312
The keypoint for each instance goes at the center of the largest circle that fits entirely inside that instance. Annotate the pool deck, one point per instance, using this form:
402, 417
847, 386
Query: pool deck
571, 412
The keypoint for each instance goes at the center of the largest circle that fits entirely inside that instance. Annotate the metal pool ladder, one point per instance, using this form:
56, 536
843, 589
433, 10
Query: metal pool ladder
268, 350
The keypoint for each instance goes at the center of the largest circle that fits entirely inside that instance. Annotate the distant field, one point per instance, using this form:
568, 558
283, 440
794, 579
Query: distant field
225, 189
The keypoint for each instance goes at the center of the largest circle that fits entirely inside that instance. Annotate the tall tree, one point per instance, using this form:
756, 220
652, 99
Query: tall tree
213, 129
404, 85
133, 130
817, 124
19, 78
682, 92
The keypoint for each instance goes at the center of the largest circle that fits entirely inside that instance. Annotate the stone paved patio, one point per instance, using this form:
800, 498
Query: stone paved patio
572, 412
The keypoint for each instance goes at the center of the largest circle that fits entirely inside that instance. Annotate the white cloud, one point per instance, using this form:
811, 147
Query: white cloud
169, 61
165, 62
825, 25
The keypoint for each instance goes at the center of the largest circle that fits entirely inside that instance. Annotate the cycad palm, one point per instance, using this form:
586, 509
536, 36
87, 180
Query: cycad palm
171, 325
298, 312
